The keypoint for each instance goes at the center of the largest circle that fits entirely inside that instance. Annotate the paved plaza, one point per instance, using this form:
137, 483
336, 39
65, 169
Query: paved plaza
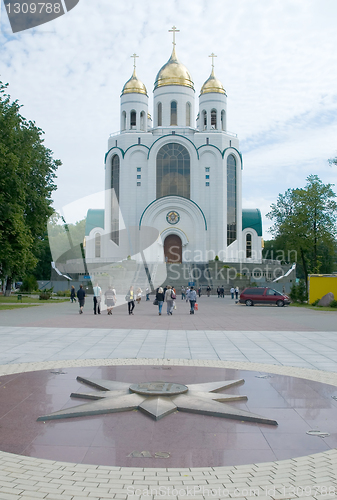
287, 341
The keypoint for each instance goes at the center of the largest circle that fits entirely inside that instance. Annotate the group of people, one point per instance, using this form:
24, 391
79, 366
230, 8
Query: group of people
110, 298
233, 291
168, 295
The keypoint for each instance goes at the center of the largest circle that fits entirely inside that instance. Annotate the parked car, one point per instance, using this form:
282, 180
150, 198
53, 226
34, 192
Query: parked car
263, 295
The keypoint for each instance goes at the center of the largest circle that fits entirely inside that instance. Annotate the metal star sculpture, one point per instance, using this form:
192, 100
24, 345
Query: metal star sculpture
158, 399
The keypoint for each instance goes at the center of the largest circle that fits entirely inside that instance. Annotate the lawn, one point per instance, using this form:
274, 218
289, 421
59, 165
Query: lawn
314, 308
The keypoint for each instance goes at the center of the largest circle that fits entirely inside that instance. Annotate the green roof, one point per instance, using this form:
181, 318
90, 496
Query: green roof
95, 218
251, 218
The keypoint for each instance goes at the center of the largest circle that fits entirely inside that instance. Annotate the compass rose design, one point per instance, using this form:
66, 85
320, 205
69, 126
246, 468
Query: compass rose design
159, 399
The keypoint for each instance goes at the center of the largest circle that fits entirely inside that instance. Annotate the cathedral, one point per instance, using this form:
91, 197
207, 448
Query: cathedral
179, 172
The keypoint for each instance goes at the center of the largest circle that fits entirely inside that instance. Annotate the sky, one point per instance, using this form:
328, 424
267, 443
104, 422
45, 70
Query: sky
277, 60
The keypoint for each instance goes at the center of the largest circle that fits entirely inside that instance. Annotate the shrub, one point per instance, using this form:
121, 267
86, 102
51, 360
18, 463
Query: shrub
44, 295
293, 293
302, 295
315, 303
29, 284
216, 258
333, 304
63, 293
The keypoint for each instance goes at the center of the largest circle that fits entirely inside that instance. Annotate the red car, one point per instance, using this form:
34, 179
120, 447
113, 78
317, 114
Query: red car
263, 295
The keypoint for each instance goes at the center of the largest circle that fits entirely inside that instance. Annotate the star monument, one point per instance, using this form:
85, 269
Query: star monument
159, 399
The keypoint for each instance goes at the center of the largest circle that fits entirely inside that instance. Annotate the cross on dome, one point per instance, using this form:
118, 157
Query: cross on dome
174, 31
134, 60
212, 56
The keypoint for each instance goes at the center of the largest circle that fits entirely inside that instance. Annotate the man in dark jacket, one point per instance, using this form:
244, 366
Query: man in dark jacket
80, 296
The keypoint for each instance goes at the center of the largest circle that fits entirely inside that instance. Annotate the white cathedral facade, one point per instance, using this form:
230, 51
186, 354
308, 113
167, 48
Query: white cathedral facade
176, 174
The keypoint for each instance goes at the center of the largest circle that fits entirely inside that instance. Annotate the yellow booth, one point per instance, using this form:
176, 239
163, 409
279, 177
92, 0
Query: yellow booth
320, 285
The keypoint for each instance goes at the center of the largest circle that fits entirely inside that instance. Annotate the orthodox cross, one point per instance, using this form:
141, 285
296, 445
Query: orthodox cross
174, 31
212, 56
134, 60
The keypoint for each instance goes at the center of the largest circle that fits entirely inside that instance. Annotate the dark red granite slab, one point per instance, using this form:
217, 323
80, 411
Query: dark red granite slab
189, 440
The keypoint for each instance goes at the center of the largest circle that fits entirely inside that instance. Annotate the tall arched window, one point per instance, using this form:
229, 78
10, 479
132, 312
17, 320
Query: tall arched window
174, 113
204, 120
223, 120
115, 199
173, 171
248, 245
123, 120
97, 245
213, 118
231, 199
188, 114
133, 119
142, 120
160, 114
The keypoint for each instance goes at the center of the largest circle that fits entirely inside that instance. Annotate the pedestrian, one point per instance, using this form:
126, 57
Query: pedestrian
192, 297
73, 294
199, 292
237, 292
110, 299
139, 295
97, 298
130, 299
183, 295
187, 292
160, 299
208, 290
147, 291
81, 298
174, 296
222, 291
232, 292
168, 299
218, 291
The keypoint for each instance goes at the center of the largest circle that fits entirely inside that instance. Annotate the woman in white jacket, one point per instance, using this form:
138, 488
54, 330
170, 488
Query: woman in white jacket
169, 300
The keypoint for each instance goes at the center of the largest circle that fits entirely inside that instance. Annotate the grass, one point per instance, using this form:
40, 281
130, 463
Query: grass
313, 308
5, 307
26, 299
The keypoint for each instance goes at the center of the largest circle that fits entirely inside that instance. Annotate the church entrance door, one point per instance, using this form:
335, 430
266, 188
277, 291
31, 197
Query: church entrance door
173, 249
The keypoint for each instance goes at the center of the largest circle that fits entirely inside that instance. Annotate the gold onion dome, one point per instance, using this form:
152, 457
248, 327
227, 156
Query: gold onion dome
173, 73
134, 85
212, 84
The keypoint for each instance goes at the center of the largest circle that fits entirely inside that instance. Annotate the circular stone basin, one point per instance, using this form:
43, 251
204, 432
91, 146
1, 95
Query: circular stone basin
179, 439
158, 389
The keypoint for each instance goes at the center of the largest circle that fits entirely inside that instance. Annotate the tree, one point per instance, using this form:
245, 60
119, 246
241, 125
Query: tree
27, 173
305, 221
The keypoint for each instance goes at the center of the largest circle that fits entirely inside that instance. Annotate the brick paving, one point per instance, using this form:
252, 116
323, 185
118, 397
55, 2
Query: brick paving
289, 341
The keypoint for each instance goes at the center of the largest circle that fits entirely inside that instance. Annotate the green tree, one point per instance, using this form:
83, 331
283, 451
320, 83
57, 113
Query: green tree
27, 173
305, 220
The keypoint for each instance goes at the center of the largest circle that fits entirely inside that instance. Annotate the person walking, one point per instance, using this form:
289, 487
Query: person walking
160, 299
139, 295
192, 297
168, 299
208, 290
81, 298
97, 298
218, 291
237, 292
183, 295
232, 292
147, 291
110, 299
222, 291
73, 294
199, 291
131, 300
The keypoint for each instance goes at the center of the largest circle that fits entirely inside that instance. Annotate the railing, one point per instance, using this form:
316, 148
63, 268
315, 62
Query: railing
179, 130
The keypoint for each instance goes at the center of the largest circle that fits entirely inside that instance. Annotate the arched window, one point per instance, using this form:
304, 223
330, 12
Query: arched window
133, 119
248, 245
213, 119
160, 114
188, 114
124, 120
204, 120
231, 199
173, 171
115, 199
174, 113
223, 120
97, 245
142, 120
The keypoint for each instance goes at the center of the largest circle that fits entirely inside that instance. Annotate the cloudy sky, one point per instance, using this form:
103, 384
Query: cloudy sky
277, 60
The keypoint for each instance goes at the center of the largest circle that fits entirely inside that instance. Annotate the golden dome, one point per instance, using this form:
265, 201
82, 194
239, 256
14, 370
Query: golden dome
212, 84
134, 86
173, 73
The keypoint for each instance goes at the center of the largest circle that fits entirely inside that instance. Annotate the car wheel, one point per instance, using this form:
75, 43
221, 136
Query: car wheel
249, 302
280, 303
